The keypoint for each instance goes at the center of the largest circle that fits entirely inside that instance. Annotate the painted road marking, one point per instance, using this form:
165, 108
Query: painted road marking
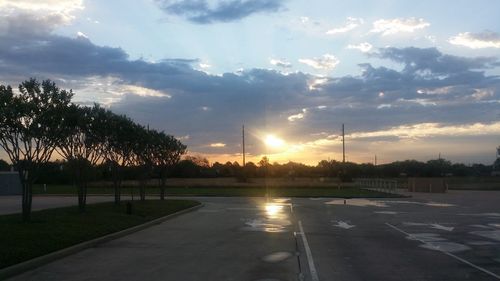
442, 227
448, 254
310, 261
344, 225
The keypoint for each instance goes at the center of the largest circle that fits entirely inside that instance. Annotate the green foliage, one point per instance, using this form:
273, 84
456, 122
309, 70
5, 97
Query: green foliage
54, 229
41, 119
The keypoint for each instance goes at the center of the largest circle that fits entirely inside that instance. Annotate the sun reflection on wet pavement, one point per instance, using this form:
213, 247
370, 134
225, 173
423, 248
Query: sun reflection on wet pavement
272, 217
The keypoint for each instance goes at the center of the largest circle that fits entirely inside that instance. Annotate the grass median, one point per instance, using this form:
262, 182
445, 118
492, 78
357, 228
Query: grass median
254, 191
54, 229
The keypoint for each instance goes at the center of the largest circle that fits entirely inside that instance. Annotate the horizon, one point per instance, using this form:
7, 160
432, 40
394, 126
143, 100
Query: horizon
407, 83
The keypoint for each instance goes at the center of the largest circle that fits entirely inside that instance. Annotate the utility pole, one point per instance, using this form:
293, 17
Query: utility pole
243, 143
375, 159
343, 144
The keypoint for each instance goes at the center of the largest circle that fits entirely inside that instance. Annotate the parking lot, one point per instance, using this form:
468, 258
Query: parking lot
453, 236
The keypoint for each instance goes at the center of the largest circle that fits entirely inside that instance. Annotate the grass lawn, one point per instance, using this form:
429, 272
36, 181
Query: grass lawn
227, 191
55, 229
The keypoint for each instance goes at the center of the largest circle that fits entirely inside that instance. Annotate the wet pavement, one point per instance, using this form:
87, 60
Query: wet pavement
422, 238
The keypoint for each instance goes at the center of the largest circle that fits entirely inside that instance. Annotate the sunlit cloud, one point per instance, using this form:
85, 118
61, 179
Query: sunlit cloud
363, 47
315, 83
204, 65
350, 24
487, 39
62, 8
326, 62
398, 25
81, 35
435, 91
280, 63
432, 130
297, 116
218, 144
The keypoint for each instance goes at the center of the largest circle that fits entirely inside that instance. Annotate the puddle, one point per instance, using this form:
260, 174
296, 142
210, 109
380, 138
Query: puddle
450, 247
491, 234
432, 204
387, 212
243, 209
281, 200
481, 243
274, 219
497, 225
436, 204
376, 203
357, 202
277, 257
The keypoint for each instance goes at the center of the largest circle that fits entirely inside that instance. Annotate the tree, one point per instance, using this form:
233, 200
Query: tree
118, 148
82, 144
166, 153
30, 126
142, 156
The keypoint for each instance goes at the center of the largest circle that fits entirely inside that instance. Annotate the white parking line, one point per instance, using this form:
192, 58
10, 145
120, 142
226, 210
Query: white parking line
448, 254
310, 261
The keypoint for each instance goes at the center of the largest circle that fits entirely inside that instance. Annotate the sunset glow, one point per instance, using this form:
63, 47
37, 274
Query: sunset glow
274, 142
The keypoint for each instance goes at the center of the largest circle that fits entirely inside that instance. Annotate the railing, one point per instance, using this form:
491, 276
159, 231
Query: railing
380, 185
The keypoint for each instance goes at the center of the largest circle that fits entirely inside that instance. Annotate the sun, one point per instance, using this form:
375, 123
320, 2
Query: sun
273, 141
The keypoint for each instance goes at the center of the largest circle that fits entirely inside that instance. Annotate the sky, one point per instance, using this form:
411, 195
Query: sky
409, 79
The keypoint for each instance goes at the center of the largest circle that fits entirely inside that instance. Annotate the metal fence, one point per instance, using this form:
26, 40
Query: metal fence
380, 185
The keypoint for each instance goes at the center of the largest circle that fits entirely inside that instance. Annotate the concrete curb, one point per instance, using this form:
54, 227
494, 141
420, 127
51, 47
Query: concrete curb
39, 261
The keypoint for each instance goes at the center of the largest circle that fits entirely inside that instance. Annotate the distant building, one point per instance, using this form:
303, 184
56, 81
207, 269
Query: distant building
10, 183
496, 165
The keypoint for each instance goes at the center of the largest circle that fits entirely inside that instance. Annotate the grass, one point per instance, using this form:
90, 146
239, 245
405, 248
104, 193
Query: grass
228, 191
54, 229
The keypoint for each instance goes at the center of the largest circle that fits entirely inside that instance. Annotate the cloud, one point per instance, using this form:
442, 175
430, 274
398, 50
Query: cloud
81, 34
297, 116
364, 47
486, 39
280, 63
326, 62
398, 25
201, 12
218, 144
350, 24
62, 10
204, 65
431, 62
431, 130
172, 94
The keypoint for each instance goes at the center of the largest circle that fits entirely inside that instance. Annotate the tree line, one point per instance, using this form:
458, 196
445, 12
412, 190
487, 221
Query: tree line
58, 172
40, 122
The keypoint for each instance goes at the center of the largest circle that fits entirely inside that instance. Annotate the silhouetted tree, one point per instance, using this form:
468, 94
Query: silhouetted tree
166, 152
30, 128
82, 144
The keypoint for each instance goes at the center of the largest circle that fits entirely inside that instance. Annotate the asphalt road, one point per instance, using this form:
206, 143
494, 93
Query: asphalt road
430, 237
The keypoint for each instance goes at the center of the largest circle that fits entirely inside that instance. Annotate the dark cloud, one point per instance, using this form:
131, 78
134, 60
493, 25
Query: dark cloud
432, 60
199, 11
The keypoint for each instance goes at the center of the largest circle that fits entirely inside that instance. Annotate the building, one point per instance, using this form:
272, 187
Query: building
10, 183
